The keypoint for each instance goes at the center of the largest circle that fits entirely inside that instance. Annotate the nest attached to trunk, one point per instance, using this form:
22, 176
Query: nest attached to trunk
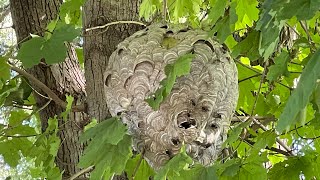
199, 108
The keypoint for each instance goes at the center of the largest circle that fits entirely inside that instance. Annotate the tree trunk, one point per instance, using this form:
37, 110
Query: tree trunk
99, 44
32, 17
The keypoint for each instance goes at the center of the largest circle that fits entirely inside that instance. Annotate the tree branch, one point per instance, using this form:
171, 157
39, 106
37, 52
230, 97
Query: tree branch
114, 23
260, 85
280, 151
21, 136
281, 143
47, 90
88, 169
305, 28
256, 75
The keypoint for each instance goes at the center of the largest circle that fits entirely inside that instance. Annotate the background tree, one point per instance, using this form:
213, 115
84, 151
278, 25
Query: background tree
275, 45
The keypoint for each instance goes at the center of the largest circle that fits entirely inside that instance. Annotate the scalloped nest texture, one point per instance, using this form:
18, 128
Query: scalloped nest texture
198, 110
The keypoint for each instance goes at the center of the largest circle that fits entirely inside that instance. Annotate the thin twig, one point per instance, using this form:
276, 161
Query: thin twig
293, 29
281, 143
256, 75
280, 151
114, 23
290, 88
29, 116
260, 85
46, 89
88, 169
305, 28
246, 66
305, 138
260, 118
21, 136
37, 91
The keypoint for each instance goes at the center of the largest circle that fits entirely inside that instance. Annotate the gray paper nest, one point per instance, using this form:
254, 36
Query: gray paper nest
198, 110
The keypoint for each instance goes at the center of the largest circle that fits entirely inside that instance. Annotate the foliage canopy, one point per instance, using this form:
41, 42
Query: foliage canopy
276, 127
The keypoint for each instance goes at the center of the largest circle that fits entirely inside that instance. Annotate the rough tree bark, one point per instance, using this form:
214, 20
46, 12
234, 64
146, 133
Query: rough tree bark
32, 17
99, 44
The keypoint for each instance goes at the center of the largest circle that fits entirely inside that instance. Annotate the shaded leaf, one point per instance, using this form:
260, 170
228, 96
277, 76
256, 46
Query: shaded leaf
173, 167
53, 50
109, 148
4, 69
30, 51
300, 96
199, 172
248, 47
280, 67
144, 170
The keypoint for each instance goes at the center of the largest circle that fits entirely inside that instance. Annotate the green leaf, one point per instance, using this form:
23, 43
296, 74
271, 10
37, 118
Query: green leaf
293, 166
30, 51
70, 11
144, 170
10, 149
247, 12
216, 10
222, 29
267, 138
252, 171
54, 174
270, 29
4, 69
280, 67
79, 52
16, 117
46, 147
107, 158
179, 68
92, 124
248, 47
20, 95
173, 167
69, 100
110, 131
182, 8
148, 7
199, 172
300, 96
53, 50
302, 9
109, 148
235, 133
17, 125
229, 168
